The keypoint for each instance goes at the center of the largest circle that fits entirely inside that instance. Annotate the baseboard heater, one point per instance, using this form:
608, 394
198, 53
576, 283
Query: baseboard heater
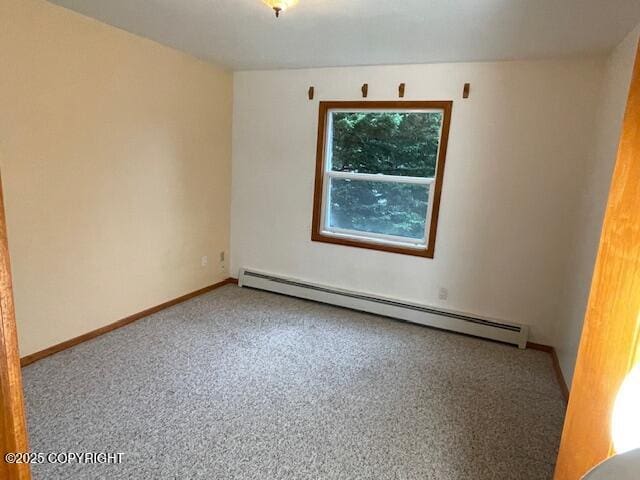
410, 312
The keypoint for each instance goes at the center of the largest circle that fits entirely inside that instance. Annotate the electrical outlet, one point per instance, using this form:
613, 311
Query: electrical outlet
222, 265
204, 260
443, 293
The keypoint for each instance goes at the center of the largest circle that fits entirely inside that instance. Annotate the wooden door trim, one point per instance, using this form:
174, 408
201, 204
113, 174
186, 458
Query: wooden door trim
13, 430
609, 342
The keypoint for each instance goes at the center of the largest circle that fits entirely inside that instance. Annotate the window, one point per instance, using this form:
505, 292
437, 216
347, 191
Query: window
379, 174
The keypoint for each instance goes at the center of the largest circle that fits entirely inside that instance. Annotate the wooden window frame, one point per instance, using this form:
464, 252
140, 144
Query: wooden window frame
316, 229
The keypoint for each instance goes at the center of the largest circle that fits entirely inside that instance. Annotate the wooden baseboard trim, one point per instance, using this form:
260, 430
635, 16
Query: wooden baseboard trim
120, 323
556, 365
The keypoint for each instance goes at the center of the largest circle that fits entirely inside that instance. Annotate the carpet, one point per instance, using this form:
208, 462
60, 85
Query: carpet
243, 384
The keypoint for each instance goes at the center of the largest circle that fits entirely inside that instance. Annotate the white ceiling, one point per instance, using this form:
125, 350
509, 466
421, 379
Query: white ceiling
244, 34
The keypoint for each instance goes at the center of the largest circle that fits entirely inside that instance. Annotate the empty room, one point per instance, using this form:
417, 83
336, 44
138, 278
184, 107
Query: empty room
320, 239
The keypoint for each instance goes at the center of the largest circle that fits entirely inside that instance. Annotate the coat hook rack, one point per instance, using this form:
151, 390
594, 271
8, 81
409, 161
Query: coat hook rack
465, 90
312, 91
401, 90
365, 90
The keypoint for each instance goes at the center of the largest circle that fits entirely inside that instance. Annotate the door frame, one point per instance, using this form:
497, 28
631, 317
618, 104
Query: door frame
13, 429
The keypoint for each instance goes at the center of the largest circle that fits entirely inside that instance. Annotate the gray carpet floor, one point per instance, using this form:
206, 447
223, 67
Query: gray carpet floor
242, 384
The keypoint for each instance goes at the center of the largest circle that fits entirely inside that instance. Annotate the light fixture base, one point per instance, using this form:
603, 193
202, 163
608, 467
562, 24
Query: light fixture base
280, 6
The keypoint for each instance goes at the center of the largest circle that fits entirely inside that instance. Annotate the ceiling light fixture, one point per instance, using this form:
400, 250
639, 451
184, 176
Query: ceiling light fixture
280, 5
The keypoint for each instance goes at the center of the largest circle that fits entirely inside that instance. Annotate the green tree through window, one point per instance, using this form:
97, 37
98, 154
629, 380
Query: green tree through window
388, 143
383, 143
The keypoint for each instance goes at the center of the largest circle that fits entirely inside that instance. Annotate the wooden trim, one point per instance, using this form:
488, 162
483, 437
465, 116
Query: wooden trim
556, 366
120, 323
13, 430
324, 107
610, 336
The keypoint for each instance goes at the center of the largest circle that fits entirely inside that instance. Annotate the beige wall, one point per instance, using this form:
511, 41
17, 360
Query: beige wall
115, 157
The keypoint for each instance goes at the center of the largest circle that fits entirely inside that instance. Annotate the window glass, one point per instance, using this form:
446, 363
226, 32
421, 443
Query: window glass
388, 143
387, 208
